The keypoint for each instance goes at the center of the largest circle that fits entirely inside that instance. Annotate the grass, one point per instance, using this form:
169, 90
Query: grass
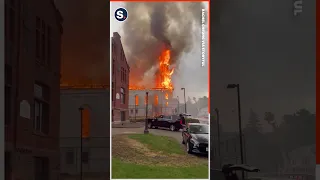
123, 170
139, 156
159, 143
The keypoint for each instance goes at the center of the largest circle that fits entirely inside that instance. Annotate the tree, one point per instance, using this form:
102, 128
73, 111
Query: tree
253, 123
269, 117
298, 129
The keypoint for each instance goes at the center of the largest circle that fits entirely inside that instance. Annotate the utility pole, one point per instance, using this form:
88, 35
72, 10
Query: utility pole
185, 102
146, 131
81, 145
218, 129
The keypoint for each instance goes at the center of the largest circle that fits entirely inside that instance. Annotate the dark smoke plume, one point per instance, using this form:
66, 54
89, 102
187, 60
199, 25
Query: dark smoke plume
85, 41
151, 26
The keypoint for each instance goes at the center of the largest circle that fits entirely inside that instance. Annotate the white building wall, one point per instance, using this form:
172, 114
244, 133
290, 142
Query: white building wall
140, 109
99, 136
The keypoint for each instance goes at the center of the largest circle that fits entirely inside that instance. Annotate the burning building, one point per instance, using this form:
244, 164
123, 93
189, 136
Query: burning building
160, 98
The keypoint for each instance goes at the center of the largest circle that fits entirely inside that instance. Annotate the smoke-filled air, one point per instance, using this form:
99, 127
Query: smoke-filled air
151, 27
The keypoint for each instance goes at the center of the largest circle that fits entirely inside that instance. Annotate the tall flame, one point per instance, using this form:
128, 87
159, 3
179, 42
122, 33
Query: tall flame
164, 76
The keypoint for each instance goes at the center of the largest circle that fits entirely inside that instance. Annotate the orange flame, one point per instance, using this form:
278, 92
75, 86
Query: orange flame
164, 76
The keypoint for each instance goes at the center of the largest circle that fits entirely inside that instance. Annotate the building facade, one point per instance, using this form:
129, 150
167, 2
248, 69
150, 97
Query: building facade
94, 132
32, 78
120, 81
159, 102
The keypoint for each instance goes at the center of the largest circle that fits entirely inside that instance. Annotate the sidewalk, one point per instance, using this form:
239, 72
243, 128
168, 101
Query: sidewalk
128, 125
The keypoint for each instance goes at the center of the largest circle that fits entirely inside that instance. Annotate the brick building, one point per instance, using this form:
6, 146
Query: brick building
120, 81
32, 75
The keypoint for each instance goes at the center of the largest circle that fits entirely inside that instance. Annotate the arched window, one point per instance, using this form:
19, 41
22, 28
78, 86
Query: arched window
85, 122
136, 97
122, 96
156, 100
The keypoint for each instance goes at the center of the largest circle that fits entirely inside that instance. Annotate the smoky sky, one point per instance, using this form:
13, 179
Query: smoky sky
85, 41
267, 50
153, 26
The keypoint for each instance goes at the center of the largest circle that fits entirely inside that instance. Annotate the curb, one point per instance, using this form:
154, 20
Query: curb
128, 125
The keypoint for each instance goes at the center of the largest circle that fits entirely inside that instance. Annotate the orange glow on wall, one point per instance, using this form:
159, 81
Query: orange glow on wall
85, 123
167, 103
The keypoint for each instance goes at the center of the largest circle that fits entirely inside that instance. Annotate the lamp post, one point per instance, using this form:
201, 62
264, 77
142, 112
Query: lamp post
178, 105
146, 131
81, 145
218, 128
185, 103
237, 86
135, 107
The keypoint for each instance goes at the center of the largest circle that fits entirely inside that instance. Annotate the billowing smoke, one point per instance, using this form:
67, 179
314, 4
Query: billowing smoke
85, 41
152, 26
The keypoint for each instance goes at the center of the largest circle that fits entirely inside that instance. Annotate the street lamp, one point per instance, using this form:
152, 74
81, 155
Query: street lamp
237, 86
178, 104
135, 107
218, 128
81, 146
185, 103
146, 131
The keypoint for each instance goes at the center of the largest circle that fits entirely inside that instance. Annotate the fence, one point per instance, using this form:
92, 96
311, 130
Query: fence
93, 163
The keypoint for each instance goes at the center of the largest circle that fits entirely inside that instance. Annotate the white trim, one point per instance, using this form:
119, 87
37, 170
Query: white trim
111, 102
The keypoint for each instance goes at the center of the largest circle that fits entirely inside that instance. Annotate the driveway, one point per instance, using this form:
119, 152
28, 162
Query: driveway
160, 132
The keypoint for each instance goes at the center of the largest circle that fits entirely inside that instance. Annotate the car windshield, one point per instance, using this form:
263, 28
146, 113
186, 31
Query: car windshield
199, 129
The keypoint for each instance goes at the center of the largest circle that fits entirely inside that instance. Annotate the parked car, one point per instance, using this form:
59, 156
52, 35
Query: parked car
173, 122
196, 137
229, 171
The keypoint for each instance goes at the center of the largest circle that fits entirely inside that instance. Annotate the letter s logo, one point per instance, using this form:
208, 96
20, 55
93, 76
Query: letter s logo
121, 14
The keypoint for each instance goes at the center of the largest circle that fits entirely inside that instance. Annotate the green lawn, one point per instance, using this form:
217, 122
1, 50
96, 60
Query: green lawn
179, 163
159, 143
121, 170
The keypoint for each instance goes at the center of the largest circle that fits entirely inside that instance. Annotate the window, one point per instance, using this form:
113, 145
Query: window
113, 92
85, 157
113, 61
41, 168
69, 157
49, 42
7, 168
122, 96
131, 111
136, 97
85, 122
136, 111
38, 40
12, 24
41, 109
156, 100
8, 93
43, 42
